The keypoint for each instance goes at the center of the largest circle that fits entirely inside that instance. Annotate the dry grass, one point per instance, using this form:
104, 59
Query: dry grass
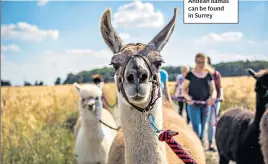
33, 119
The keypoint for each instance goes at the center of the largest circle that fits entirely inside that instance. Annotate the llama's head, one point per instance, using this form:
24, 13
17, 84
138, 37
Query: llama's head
261, 86
90, 99
136, 64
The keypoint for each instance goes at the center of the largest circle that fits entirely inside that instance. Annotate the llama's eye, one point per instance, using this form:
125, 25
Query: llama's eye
83, 99
115, 66
158, 63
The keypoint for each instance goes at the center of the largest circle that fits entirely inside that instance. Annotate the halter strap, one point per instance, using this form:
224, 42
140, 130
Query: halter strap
154, 79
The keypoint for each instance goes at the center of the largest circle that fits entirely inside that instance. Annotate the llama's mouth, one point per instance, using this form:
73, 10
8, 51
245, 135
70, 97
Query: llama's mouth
137, 98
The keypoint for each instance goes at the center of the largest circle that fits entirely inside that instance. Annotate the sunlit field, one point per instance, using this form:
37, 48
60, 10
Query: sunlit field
33, 119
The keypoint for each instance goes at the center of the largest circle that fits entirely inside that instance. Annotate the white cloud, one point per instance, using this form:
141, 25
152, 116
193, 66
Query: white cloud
10, 48
252, 42
221, 37
183, 52
42, 2
216, 56
138, 14
27, 32
50, 65
266, 42
124, 36
225, 57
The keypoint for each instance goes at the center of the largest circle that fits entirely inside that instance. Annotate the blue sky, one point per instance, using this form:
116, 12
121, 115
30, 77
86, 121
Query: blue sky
49, 40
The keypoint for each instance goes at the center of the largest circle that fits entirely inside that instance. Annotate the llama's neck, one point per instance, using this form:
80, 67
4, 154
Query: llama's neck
141, 143
91, 126
260, 109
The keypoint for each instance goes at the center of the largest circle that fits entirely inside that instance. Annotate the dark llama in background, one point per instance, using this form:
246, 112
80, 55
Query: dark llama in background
264, 136
238, 130
264, 124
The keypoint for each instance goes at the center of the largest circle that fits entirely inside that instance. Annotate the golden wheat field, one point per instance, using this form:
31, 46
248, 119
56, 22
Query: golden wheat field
33, 119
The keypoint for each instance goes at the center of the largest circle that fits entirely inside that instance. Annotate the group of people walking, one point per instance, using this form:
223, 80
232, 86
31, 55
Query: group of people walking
201, 84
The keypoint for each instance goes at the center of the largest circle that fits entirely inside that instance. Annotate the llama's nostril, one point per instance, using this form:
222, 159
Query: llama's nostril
143, 78
130, 78
90, 106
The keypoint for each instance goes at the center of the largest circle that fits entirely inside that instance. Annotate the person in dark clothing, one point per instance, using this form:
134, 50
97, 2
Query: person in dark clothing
199, 85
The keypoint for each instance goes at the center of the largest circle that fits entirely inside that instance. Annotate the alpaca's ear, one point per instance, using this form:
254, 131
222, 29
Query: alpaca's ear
161, 39
252, 73
77, 86
108, 33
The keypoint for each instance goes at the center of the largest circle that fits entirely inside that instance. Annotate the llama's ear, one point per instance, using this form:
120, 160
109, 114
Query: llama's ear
77, 86
161, 39
252, 73
108, 33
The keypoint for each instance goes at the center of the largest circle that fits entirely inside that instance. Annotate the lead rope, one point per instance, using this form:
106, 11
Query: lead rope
166, 135
213, 113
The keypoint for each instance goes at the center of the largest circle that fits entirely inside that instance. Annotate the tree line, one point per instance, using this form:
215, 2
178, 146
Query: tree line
227, 69
26, 83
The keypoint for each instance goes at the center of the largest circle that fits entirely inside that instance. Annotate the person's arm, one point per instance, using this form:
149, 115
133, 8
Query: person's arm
213, 95
221, 88
213, 90
185, 87
167, 90
105, 102
176, 86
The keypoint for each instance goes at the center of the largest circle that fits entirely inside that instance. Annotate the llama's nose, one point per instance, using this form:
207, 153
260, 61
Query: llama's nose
137, 76
90, 106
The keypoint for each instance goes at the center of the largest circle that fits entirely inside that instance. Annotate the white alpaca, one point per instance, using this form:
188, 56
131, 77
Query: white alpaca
93, 139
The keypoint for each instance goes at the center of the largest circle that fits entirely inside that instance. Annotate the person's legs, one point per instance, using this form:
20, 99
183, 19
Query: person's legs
187, 114
204, 114
211, 127
194, 114
180, 107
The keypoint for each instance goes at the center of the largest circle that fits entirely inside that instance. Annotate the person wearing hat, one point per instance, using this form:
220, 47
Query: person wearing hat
98, 80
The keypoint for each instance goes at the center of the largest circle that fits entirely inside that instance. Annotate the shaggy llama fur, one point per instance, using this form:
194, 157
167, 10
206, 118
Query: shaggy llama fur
238, 130
136, 142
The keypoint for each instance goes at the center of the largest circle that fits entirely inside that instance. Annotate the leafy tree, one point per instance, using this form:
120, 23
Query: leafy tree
36, 83
26, 83
41, 83
237, 68
58, 81
5, 83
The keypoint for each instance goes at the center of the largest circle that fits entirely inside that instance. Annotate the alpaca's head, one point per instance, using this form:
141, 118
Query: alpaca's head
136, 64
261, 86
90, 99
